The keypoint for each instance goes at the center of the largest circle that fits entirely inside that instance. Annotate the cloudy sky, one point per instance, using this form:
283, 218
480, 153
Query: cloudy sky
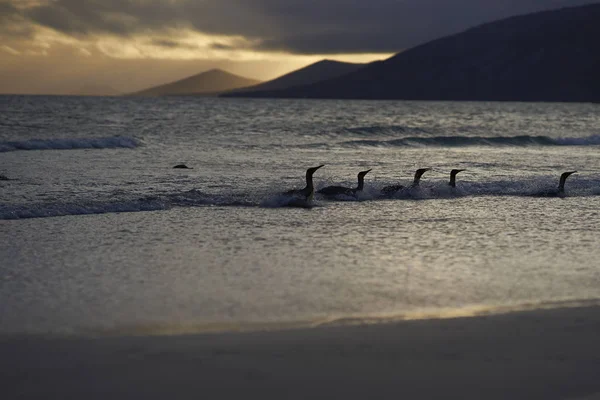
64, 46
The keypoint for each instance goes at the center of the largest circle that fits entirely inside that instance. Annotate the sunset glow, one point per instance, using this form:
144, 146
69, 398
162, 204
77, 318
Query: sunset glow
56, 46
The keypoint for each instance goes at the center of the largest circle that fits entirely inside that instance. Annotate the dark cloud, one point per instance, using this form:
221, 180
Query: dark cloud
7, 10
173, 44
221, 46
12, 23
298, 26
84, 17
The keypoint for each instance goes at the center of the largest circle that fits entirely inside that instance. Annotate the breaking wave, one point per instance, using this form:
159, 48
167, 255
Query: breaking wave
463, 141
112, 142
268, 199
383, 130
192, 198
44, 210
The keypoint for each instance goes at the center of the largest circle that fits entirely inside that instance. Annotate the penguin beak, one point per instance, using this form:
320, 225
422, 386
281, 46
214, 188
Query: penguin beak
314, 169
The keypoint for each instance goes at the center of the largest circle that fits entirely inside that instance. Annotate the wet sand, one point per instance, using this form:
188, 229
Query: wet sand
541, 354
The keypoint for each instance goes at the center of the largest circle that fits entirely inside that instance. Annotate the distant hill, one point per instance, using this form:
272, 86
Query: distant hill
545, 56
206, 83
317, 72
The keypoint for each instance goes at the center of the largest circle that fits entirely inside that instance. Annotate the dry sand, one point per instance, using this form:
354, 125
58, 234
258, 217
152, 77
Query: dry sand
543, 354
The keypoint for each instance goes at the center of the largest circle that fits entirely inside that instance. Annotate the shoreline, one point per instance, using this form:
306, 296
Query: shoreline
170, 329
536, 354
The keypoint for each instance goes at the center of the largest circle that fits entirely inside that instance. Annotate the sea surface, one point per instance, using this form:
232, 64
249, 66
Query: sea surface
100, 235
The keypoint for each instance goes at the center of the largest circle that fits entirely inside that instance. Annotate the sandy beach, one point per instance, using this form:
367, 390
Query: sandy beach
541, 354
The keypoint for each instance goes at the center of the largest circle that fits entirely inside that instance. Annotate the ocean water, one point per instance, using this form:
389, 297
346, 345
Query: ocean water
99, 234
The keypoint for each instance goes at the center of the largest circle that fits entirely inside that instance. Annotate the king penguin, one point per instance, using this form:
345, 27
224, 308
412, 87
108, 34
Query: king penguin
332, 191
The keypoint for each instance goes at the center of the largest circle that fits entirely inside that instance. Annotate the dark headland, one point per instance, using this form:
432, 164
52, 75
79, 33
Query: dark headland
209, 83
313, 73
545, 56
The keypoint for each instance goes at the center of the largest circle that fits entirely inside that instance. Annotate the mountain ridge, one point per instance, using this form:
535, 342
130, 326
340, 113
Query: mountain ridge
543, 56
207, 83
313, 73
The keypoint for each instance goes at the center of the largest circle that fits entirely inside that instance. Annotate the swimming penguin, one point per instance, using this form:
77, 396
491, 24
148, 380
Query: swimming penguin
453, 174
389, 190
332, 191
308, 192
560, 190
181, 166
